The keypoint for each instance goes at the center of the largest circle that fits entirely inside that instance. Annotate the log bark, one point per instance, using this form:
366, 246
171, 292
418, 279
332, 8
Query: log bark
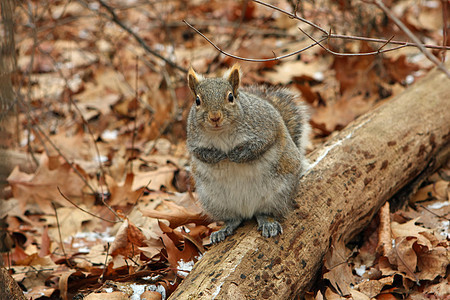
354, 173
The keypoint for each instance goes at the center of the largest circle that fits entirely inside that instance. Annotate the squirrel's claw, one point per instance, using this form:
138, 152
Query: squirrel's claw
226, 230
268, 226
217, 236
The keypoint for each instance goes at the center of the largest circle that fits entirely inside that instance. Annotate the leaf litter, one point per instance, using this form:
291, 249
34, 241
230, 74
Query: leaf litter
82, 73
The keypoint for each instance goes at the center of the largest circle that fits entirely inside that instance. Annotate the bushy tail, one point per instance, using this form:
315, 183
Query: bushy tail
295, 115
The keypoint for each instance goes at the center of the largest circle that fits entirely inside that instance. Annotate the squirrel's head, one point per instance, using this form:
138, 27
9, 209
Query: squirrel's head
216, 99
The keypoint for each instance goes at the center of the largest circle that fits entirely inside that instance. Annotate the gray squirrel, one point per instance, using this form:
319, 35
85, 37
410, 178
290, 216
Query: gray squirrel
247, 147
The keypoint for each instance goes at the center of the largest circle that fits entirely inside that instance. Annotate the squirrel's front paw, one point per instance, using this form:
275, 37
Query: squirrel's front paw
268, 226
238, 155
226, 230
217, 236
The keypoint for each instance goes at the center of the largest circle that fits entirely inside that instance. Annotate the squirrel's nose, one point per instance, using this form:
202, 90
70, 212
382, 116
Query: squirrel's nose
215, 116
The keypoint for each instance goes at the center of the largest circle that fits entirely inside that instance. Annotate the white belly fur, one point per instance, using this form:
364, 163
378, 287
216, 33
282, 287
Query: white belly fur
228, 190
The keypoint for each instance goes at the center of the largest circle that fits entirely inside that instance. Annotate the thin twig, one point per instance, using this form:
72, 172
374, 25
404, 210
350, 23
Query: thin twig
366, 39
408, 32
136, 95
444, 26
102, 277
232, 38
83, 119
60, 237
39, 130
144, 45
253, 59
88, 212
359, 38
292, 15
433, 213
351, 54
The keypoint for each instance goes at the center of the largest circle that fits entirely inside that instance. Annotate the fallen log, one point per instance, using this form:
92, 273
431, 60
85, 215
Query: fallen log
354, 173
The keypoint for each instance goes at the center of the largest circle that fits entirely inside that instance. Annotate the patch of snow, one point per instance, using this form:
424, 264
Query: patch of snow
94, 6
318, 76
445, 229
409, 79
216, 292
110, 134
138, 290
92, 236
24, 141
101, 158
158, 288
78, 245
438, 205
151, 277
332, 146
184, 268
360, 270
108, 289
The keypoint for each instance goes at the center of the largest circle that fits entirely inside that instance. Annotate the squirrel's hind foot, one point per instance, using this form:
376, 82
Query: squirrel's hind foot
226, 230
268, 226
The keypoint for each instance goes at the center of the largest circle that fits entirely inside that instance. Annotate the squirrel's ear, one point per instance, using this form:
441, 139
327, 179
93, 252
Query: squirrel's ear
193, 80
233, 76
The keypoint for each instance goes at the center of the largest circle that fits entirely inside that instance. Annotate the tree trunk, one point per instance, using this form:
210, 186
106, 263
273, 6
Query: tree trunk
354, 173
7, 67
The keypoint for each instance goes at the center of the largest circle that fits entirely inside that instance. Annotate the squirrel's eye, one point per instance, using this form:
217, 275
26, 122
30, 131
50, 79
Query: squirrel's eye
230, 98
197, 101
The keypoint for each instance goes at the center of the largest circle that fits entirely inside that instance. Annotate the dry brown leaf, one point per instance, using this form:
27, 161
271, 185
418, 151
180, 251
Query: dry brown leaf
356, 295
384, 230
154, 180
372, 288
387, 296
151, 295
127, 241
96, 255
385, 267
437, 190
177, 258
339, 272
116, 295
409, 229
38, 291
153, 247
63, 283
41, 187
339, 114
284, 72
331, 295
399, 68
432, 263
45, 243
403, 256
123, 194
177, 215
440, 290
71, 220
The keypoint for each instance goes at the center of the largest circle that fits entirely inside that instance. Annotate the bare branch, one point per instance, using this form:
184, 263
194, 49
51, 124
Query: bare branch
253, 59
144, 45
367, 39
292, 15
359, 38
326, 36
352, 54
83, 210
408, 32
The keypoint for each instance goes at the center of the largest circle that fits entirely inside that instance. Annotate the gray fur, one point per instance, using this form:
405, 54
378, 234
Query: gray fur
247, 164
